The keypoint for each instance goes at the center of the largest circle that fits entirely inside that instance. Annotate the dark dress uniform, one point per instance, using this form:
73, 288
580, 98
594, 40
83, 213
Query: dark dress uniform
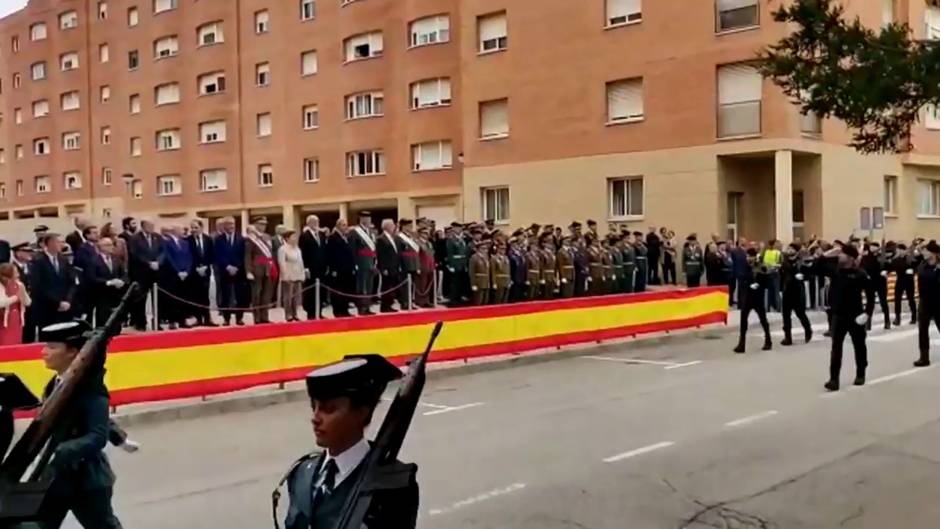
518, 269
692, 265
581, 271
364, 252
792, 277
457, 267
755, 281
549, 274
565, 262
616, 276
642, 264
874, 264
928, 278
607, 265
903, 267
596, 271
627, 282
533, 281
845, 300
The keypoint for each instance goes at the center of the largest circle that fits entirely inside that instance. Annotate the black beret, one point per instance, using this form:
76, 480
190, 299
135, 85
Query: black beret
933, 247
850, 250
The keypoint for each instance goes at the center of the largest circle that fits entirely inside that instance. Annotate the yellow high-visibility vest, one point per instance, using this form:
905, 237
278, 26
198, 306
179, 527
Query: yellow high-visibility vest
771, 257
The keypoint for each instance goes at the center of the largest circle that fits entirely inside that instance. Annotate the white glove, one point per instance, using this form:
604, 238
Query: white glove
564, 281
862, 319
473, 288
754, 286
183, 275
799, 277
884, 273
231, 270
130, 446
307, 273
542, 282
450, 269
154, 265
250, 276
909, 272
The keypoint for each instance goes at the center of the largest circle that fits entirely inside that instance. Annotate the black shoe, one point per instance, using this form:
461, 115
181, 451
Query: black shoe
809, 334
787, 341
240, 323
897, 322
832, 385
226, 323
388, 311
210, 324
185, 325
922, 362
827, 334
859, 380
887, 324
767, 346
914, 321
739, 349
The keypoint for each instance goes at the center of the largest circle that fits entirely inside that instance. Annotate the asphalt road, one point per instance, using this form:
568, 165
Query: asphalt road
689, 435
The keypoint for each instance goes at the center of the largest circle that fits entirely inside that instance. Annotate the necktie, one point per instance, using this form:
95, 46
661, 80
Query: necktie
55, 264
107, 261
199, 244
327, 484
149, 241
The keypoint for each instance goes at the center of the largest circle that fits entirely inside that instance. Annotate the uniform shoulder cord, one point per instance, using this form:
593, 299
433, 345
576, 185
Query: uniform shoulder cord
276, 495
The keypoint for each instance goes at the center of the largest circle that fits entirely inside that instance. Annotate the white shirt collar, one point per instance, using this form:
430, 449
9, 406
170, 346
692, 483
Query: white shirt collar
347, 462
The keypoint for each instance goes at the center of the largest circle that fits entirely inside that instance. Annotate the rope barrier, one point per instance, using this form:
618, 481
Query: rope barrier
364, 296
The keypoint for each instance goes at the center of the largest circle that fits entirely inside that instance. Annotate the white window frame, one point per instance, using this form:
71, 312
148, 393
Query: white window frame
133, 16
928, 198
169, 185
311, 170
623, 13
166, 47
264, 124
19, 188
502, 214
262, 22
134, 103
442, 89
42, 184
19, 151
136, 188
265, 175
739, 96
426, 36
891, 194
17, 80
168, 140
107, 176
3, 190
375, 41
18, 115
311, 117
68, 20
166, 94
309, 63
725, 6
204, 176
72, 180
136, 146
68, 61
210, 34
102, 10
442, 149
495, 134
208, 129
104, 53
492, 34
368, 162
625, 101
71, 141
308, 10
38, 106
37, 71
133, 60
70, 96
211, 79
363, 105
263, 74
38, 31
104, 93
629, 208
106, 135
932, 117
42, 144
162, 6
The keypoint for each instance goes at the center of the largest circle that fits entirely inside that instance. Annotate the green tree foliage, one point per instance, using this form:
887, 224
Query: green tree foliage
875, 80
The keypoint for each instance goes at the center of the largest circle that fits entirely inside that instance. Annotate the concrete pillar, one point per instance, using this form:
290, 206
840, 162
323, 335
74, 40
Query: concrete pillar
344, 212
406, 207
783, 195
289, 218
245, 220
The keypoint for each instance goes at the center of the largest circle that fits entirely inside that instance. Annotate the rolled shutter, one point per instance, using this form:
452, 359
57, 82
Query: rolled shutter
738, 83
625, 99
494, 119
728, 5
493, 27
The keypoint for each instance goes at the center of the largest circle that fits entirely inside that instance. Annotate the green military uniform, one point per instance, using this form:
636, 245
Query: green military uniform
616, 282
534, 280
480, 276
457, 266
607, 262
499, 271
595, 271
629, 268
692, 265
549, 274
565, 265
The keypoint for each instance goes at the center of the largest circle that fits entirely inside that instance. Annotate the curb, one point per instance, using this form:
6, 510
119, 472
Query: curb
272, 395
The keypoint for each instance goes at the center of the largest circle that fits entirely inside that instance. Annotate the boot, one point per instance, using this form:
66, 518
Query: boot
923, 361
828, 333
887, 323
808, 332
897, 321
913, 319
767, 344
740, 348
787, 339
860, 378
832, 385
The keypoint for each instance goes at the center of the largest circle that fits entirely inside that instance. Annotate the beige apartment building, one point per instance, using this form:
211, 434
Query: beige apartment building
634, 112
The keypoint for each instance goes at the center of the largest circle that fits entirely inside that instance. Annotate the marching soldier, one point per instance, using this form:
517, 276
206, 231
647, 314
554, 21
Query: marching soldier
480, 273
595, 264
692, 263
875, 265
607, 265
629, 262
755, 281
343, 397
549, 267
849, 316
642, 264
616, 257
903, 267
499, 271
565, 263
928, 277
792, 275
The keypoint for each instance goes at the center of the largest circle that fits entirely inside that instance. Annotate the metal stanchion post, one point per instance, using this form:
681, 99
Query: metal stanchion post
316, 297
411, 293
156, 307
434, 286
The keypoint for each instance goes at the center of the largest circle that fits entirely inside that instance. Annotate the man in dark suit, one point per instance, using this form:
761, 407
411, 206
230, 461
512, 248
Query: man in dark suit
340, 269
83, 254
104, 280
146, 251
4, 251
53, 283
229, 252
77, 237
22, 257
201, 248
360, 238
389, 263
313, 250
175, 269
130, 228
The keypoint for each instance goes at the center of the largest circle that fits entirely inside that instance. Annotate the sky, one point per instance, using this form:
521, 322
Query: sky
9, 6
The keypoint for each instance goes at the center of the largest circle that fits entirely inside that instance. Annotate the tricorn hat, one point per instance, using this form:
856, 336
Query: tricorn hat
362, 376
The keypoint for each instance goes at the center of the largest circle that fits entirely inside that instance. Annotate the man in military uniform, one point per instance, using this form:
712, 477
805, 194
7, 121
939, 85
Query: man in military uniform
849, 316
82, 480
457, 265
565, 262
480, 273
534, 279
607, 263
499, 272
928, 277
518, 268
629, 262
692, 264
363, 245
581, 266
616, 258
792, 276
424, 287
903, 267
756, 281
344, 397
409, 255
875, 265
549, 267
595, 265
642, 264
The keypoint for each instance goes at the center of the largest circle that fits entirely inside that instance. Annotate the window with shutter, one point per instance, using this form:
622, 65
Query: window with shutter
72, 180
430, 93
262, 21
169, 185
932, 16
212, 132
264, 125
262, 74
166, 47
265, 175
364, 46
311, 170
308, 9
213, 180
493, 34
432, 156
42, 184
308, 63
625, 197
167, 94
494, 119
625, 101
430, 30
739, 100
311, 117
736, 14
37, 31
40, 108
38, 71
620, 12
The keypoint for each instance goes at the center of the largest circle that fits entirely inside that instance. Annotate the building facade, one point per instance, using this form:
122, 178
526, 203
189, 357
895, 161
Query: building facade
625, 111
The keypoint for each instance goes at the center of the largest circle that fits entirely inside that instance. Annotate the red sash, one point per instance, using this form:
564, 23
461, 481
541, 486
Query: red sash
271, 266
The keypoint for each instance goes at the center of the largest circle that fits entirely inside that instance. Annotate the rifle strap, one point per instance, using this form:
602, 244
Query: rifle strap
276, 494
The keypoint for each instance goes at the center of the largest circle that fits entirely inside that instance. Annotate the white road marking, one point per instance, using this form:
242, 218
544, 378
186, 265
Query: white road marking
449, 409
893, 336
686, 364
638, 452
751, 418
902, 374
630, 360
435, 406
495, 493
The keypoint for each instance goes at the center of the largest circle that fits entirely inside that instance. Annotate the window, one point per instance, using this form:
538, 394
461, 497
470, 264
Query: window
68, 61
492, 32
432, 155
104, 94
106, 135
308, 9
933, 23
932, 117
71, 141
72, 180
430, 93
430, 30
625, 196
166, 94
133, 60
137, 188
494, 119
210, 33
107, 176
17, 80
168, 140
19, 188
887, 12
495, 202
42, 184
212, 132
169, 185
19, 152
38, 71
136, 146
166, 47
364, 46
308, 63
104, 53
739, 101
311, 170
70, 101
263, 122
68, 20
18, 114
369, 104
262, 21
15, 44
621, 12
102, 10
38, 31
262, 74
212, 83
135, 103
891, 194
736, 14
929, 195
265, 175
365, 163
3, 156
3, 190
133, 17
625, 101
160, 6
213, 180
311, 117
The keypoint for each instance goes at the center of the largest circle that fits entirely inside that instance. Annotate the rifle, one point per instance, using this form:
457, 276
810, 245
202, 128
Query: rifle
22, 501
379, 471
